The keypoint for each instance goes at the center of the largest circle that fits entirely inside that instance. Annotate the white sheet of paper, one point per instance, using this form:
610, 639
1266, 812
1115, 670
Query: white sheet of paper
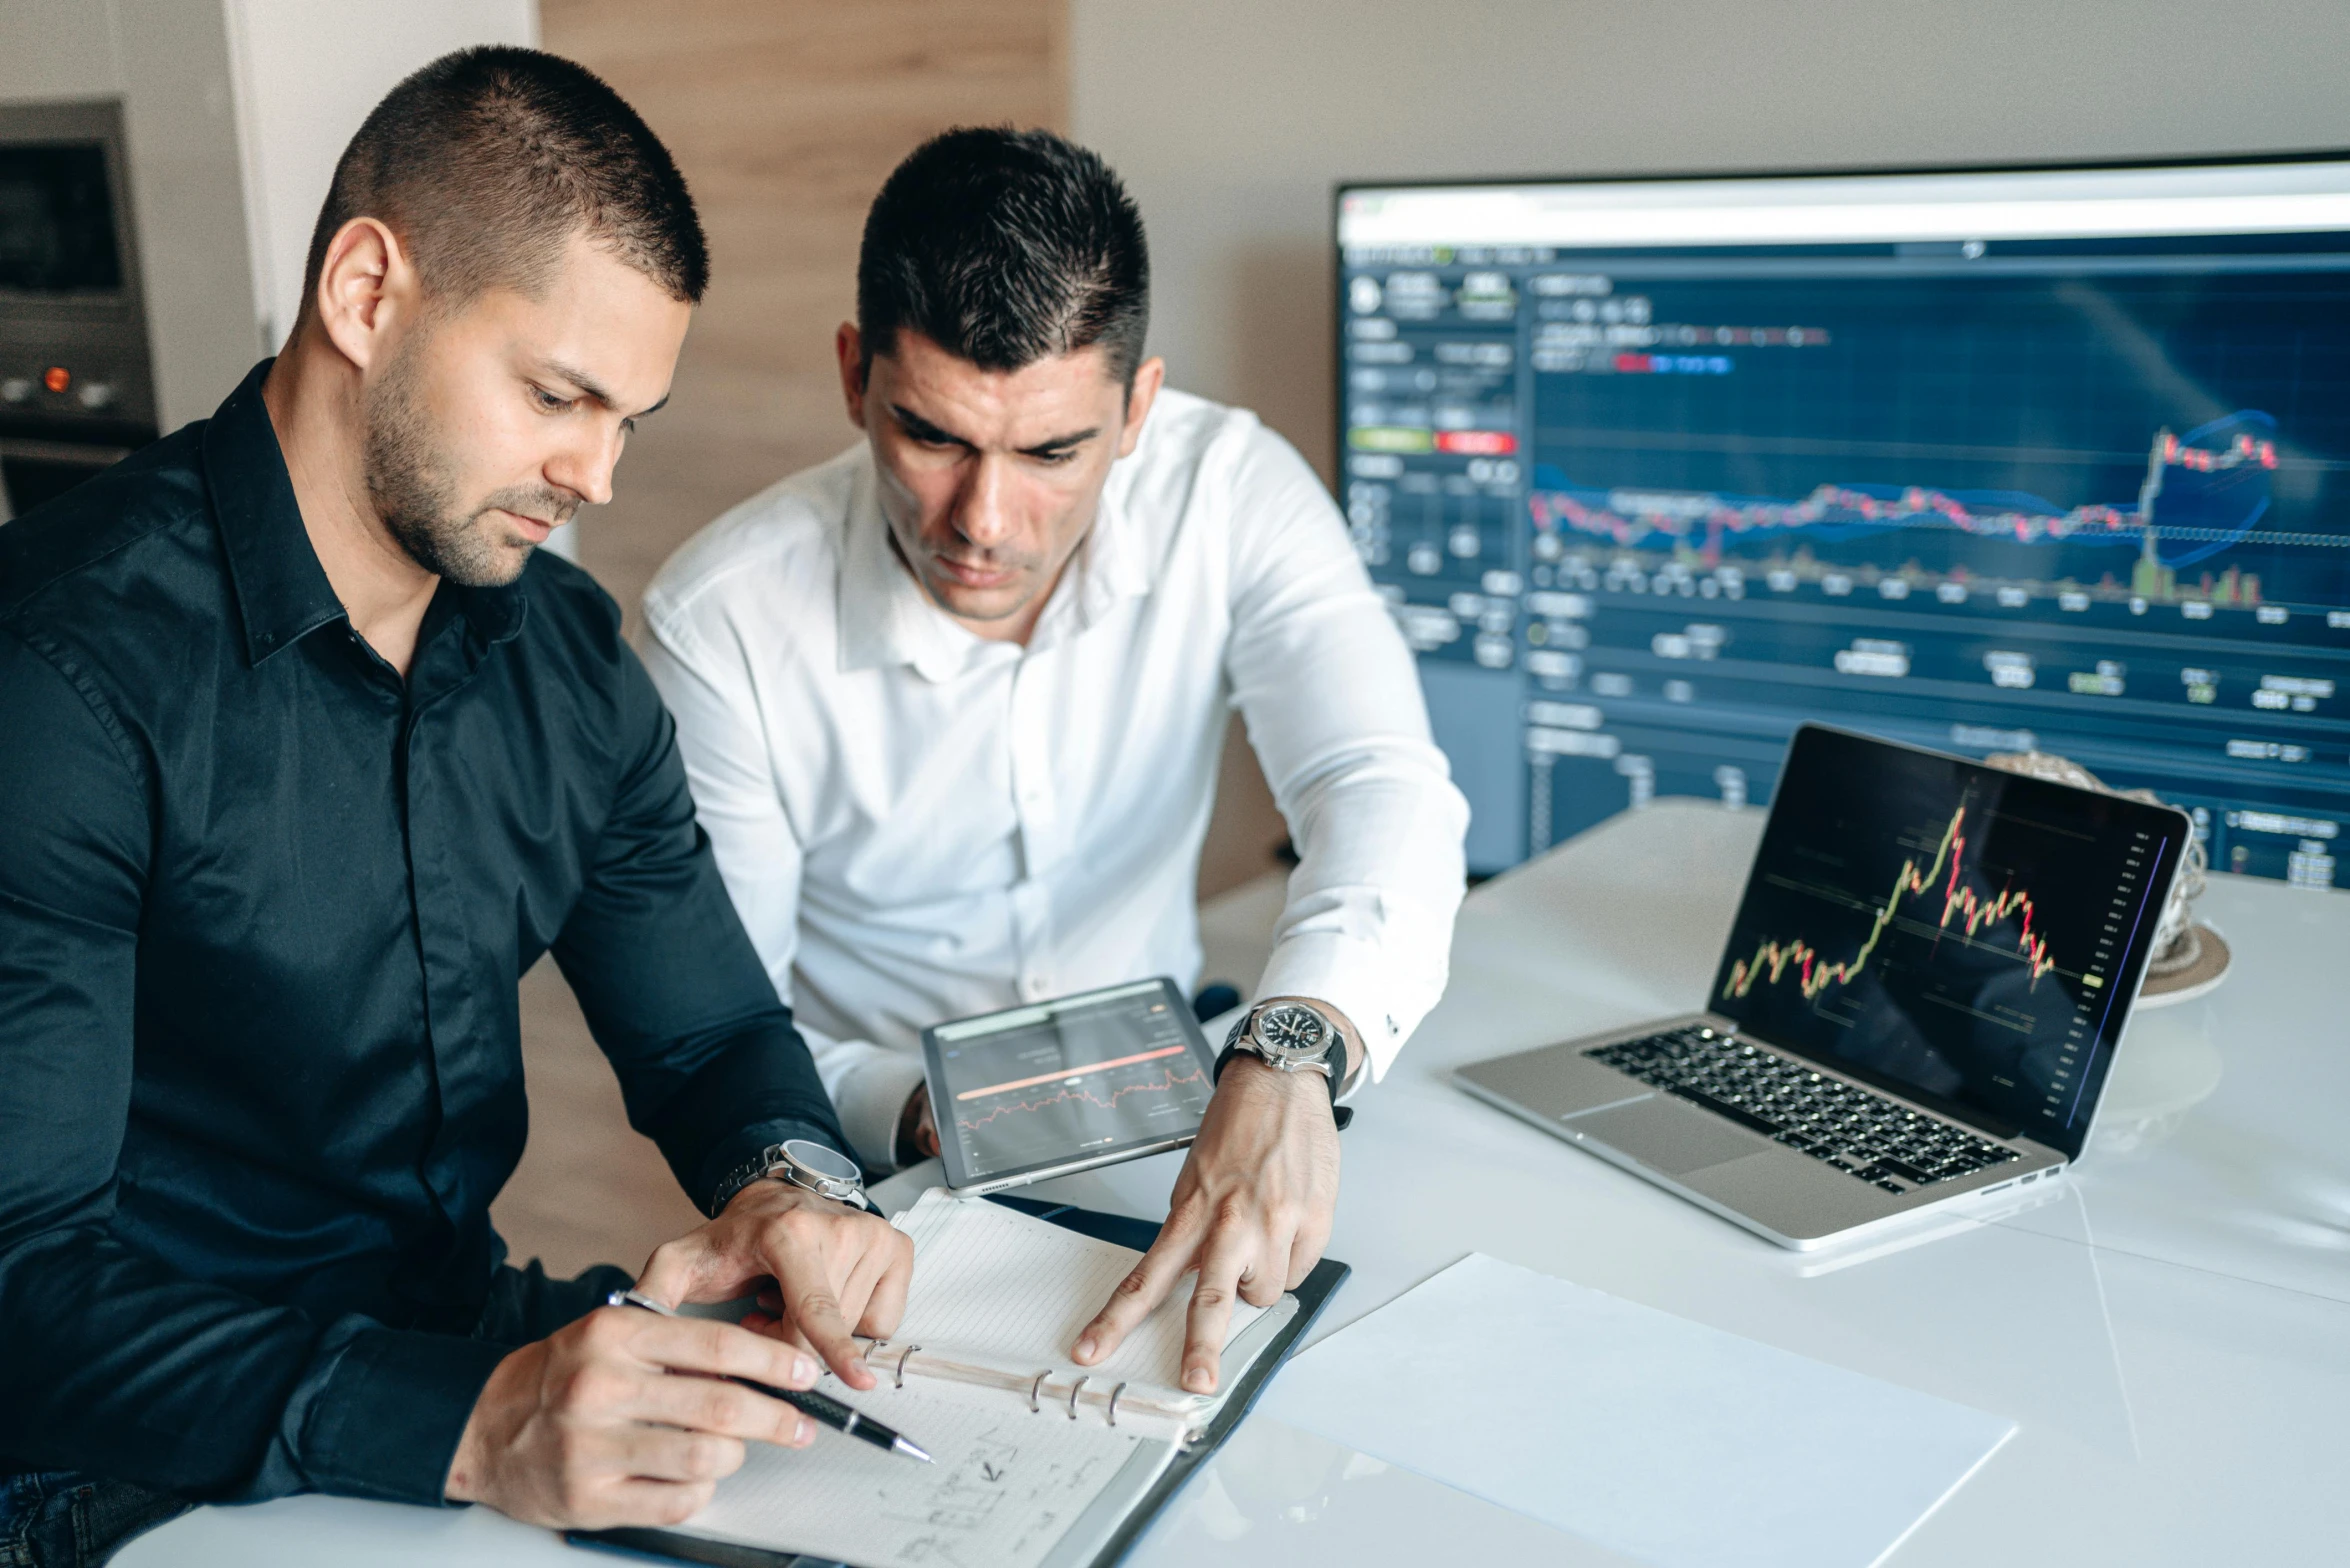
1638, 1431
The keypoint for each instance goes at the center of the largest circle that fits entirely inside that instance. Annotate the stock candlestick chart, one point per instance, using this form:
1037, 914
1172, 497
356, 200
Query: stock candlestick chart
1956, 931
1972, 912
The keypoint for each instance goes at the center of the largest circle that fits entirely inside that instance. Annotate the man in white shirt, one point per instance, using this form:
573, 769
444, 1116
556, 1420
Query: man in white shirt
952, 703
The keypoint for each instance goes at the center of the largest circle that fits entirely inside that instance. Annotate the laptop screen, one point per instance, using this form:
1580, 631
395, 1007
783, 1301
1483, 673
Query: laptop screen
1965, 937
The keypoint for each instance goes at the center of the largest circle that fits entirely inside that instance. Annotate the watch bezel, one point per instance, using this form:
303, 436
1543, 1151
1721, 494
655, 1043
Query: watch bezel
1248, 1035
802, 1172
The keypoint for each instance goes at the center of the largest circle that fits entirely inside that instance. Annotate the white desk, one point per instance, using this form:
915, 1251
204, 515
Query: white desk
2171, 1329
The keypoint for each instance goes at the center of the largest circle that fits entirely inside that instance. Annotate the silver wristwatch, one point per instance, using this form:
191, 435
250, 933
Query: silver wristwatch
1293, 1037
803, 1162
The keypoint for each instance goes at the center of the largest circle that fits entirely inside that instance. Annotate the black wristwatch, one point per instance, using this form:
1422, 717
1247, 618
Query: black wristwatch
1292, 1037
803, 1162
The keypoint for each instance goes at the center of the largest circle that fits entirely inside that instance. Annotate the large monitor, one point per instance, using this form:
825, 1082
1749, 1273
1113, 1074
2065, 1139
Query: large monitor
1651, 471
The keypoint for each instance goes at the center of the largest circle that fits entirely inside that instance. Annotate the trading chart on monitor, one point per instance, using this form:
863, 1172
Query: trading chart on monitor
1650, 472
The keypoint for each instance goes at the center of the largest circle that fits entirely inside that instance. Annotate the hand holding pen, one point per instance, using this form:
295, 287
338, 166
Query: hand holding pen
821, 1408
592, 1427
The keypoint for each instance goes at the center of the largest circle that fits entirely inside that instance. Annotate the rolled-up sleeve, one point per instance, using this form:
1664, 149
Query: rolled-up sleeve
1335, 714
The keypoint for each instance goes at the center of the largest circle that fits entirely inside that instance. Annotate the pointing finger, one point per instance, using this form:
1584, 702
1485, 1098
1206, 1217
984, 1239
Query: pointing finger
1220, 1274
1138, 1295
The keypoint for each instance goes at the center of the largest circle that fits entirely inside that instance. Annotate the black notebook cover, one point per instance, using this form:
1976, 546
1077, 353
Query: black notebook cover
1312, 1296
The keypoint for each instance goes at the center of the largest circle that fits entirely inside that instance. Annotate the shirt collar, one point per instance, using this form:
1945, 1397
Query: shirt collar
281, 591
886, 619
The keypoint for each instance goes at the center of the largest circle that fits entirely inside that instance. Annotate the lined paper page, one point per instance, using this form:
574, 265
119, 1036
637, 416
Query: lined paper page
1010, 1286
1006, 1487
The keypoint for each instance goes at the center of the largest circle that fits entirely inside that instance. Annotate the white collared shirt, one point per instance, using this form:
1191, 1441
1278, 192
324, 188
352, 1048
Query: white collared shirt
920, 824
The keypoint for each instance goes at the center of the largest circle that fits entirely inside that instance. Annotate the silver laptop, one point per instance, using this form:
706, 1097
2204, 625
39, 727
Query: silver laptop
1917, 1007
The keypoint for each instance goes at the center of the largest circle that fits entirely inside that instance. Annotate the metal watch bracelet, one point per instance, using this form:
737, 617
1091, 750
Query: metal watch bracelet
775, 1162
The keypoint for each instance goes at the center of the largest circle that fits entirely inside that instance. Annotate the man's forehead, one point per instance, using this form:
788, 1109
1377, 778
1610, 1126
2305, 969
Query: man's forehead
596, 323
1038, 403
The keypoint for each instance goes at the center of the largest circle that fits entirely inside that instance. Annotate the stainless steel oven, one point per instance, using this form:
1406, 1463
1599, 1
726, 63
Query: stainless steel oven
77, 389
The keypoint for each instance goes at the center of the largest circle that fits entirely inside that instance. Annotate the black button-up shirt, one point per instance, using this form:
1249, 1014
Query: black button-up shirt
263, 908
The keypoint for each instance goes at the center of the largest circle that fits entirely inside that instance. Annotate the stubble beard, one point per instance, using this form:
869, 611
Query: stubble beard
407, 473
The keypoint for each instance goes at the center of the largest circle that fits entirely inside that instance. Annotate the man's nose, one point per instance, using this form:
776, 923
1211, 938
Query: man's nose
584, 467
985, 514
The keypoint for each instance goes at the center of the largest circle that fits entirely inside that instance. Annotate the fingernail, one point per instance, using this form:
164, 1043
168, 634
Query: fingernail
1198, 1381
1085, 1350
804, 1369
807, 1430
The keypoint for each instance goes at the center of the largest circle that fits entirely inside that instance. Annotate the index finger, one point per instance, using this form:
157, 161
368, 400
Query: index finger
1138, 1295
1210, 1315
718, 1348
814, 1310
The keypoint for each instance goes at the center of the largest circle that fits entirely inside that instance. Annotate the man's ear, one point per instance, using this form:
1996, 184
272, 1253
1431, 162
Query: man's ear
848, 346
1149, 376
367, 290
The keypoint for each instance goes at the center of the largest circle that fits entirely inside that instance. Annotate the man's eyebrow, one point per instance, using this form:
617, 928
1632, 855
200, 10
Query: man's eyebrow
588, 385
923, 430
1059, 443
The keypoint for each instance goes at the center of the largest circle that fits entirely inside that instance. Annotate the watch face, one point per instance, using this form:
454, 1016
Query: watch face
819, 1161
1298, 1033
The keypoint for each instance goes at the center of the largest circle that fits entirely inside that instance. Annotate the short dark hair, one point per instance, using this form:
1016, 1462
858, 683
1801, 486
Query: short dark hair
1005, 247
487, 161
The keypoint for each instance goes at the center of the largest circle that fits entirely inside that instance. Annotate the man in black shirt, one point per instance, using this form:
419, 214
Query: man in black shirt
304, 759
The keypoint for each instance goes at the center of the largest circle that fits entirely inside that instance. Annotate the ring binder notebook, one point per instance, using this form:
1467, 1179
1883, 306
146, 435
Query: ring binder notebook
1041, 1463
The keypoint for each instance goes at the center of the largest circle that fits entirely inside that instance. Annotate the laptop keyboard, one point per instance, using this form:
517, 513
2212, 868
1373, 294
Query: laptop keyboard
1872, 1138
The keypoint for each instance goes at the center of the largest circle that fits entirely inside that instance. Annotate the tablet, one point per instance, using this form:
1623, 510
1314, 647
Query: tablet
1066, 1085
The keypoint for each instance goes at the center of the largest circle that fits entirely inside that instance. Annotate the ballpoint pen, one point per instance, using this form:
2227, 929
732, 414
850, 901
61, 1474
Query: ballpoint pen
817, 1407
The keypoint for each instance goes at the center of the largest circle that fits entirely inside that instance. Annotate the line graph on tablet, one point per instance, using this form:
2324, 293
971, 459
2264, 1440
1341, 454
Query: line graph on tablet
1079, 1088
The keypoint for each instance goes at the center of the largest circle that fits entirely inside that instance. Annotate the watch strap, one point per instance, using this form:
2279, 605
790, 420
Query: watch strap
1341, 1114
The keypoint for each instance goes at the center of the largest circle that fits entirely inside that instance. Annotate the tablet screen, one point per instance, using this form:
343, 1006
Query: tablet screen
1066, 1081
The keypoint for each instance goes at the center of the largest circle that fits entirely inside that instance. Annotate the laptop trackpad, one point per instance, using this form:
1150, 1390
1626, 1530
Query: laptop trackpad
1667, 1135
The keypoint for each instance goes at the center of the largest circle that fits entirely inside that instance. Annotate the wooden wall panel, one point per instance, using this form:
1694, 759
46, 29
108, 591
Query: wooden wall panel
785, 115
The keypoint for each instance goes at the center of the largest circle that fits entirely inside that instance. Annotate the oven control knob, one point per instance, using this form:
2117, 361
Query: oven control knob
16, 389
95, 395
